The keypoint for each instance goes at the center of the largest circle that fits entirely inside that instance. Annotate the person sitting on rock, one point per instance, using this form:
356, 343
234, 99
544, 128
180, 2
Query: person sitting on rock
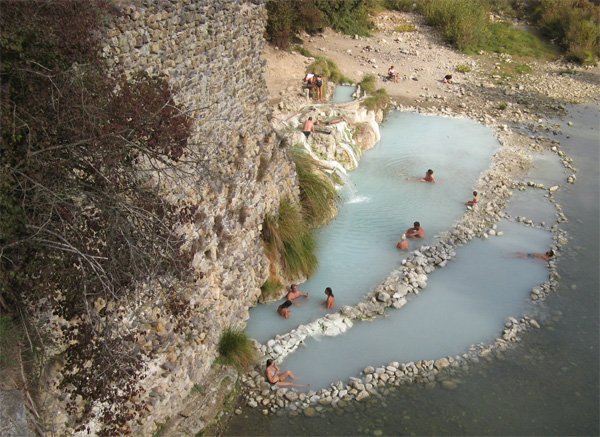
475, 200
330, 302
275, 377
283, 311
416, 231
447, 79
393, 75
403, 244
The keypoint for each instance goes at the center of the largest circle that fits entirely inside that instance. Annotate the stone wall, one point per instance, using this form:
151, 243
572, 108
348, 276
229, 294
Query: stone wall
235, 172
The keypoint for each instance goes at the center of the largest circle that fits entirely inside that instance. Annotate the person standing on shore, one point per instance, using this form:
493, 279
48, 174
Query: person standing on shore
319, 84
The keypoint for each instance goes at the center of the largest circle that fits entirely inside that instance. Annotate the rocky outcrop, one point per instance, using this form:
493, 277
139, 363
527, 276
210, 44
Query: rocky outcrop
234, 172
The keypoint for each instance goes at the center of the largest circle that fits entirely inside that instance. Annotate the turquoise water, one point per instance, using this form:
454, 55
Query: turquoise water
465, 303
358, 249
343, 94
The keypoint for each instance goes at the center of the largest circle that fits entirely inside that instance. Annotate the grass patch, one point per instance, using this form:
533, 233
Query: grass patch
328, 69
236, 348
405, 27
270, 287
379, 100
318, 196
523, 68
199, 389
504, 38
369, 83
502, 106
304, 51
287, 237
463, 68
567, 71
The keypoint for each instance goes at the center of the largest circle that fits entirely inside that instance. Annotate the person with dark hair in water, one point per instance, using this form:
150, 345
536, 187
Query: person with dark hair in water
283, 311
428, 177
415, 232
275, 377
330, 302
535, 256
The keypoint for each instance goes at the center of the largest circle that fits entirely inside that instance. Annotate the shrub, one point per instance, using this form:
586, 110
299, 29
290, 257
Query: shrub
504, 38
318, 195
270, 287
463, 68
574, 25
236, 348
288, 238
502, 106
379, 101
368, 83
347, 16
328, 69
523, 68
462, 22
304, 52
405, 27
285, 19
400, 5
8, 340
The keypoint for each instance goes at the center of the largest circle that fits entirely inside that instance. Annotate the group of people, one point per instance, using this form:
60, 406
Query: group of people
294, 293
315, 81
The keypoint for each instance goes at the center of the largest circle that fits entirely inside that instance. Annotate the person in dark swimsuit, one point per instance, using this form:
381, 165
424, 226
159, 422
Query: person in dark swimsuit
319, 83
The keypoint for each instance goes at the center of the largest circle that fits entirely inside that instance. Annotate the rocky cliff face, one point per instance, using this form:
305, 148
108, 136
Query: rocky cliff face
235, 172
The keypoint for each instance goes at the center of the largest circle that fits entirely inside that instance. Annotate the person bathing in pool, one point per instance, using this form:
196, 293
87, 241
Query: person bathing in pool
535, 256
275, 377
428, 177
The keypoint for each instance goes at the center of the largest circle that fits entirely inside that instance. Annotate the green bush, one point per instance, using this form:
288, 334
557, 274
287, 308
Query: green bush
574, 25
523, 68
369, 83
236, 348
328, 69
463, 68
287, 237
270, 288
318, 195
504, 38
304, 52
462, 22
502, 106
405, 27
380, 100
400, 5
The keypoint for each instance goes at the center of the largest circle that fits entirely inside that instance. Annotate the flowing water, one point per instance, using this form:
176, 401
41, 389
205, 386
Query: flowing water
548, 383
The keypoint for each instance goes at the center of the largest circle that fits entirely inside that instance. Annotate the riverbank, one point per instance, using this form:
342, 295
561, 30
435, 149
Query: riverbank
523, 104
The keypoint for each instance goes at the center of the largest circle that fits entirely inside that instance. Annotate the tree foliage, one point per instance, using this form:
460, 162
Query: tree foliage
80, 221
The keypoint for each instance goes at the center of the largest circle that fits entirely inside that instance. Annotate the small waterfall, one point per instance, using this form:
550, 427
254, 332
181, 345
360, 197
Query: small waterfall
350, 151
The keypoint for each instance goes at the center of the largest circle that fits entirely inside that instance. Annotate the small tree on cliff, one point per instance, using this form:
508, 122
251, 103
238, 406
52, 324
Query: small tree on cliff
80, 224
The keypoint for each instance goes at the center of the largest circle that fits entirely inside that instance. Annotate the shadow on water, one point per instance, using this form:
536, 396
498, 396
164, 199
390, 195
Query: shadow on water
548, 384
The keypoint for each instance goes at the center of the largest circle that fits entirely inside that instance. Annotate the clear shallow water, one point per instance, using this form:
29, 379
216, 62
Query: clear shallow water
343, 94
358, 249
465, 303
532, 205
547, 385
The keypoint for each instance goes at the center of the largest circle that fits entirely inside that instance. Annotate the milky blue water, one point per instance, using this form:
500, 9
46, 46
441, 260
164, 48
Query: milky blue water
343, 94
465, 303
357, 250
